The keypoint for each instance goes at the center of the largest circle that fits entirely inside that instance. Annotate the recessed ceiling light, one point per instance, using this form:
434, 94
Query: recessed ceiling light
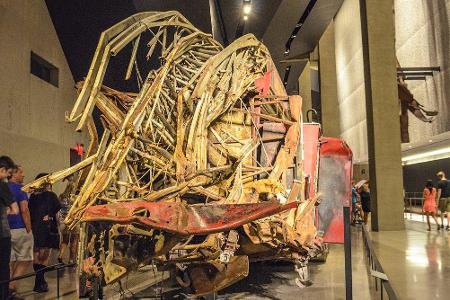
245, 18
247, 8
430, 141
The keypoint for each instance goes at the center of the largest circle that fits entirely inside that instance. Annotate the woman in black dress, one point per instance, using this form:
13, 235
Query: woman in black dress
43, 205
365, 200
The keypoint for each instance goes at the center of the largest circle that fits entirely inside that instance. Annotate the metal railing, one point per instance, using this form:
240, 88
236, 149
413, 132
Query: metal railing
413, 204
376, 270
56, 267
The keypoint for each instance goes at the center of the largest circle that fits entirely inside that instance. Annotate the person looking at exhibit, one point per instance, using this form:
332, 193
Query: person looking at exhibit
20, 224
365, 201
355, 200
429, 203
44, 205
443, 196
7, 206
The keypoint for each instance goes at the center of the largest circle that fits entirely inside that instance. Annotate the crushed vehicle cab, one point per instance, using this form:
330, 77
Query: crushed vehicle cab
207, 167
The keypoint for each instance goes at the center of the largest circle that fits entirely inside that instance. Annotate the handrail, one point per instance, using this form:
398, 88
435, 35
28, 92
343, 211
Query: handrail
411, 202
376, 270
56, 267
46, 269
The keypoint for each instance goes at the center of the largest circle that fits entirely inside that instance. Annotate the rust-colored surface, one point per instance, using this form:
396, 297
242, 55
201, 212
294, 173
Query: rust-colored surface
184, 219
410, 104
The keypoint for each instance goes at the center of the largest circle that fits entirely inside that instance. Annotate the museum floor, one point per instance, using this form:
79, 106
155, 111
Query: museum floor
417, 263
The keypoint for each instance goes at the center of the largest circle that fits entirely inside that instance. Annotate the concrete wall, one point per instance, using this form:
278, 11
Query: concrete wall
330, 117
32, 127
415, 176
350, 79
422, 40
360, 172
304, 89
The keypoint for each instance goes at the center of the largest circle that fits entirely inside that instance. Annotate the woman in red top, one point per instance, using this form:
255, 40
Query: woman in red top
429, 203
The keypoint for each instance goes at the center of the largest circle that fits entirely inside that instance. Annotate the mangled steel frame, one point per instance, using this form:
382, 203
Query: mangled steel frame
182, 176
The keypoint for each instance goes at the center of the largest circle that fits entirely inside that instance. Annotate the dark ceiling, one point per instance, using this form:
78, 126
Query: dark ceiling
79, 24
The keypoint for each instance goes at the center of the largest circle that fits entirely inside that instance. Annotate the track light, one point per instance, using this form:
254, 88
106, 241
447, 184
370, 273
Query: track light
299, 25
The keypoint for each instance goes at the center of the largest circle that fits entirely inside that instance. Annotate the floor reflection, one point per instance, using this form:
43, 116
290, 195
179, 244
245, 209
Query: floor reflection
416, 261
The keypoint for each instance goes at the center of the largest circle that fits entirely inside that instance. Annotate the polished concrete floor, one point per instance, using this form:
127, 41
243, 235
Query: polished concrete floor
416, 262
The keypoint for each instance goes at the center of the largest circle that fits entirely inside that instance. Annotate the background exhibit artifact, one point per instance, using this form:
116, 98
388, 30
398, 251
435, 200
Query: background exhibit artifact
207, 167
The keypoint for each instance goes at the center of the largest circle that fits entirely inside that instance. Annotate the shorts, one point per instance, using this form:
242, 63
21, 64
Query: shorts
444, 204
21, 245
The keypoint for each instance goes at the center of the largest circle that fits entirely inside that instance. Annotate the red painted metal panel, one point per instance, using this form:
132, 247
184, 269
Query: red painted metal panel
335, 175
184, 219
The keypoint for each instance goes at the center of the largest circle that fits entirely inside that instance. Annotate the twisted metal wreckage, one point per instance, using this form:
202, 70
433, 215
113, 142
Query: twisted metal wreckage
203, 170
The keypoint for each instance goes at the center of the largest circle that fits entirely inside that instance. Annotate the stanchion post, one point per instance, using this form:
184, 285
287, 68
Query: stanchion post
57, 283
348, 254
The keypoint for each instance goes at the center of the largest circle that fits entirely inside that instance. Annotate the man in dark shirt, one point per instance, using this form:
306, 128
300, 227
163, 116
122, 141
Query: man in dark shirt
443, 198
7, 206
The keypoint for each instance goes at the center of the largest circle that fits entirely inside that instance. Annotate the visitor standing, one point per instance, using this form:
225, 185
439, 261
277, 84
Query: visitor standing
355, 197
443, 197
365, 201
20, 224
7, 206
429, 203
44, 205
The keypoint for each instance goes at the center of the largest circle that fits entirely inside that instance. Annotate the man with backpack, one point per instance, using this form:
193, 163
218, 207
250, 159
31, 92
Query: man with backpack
443, 197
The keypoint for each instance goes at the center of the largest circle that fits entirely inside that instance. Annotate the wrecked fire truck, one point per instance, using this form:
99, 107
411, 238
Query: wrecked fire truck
206, 168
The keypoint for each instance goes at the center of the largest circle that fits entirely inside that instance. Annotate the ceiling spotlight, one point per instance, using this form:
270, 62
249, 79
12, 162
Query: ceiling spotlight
245, 18
247, 6
286, 51
430, 141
